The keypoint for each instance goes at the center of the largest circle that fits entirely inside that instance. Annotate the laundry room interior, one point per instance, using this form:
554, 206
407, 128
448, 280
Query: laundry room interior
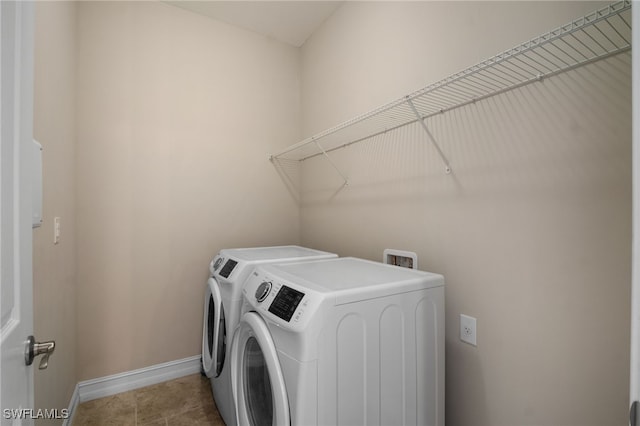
160, 127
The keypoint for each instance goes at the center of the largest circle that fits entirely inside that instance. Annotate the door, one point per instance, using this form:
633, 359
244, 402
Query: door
214, 333
256, 377
16, 167
634, 417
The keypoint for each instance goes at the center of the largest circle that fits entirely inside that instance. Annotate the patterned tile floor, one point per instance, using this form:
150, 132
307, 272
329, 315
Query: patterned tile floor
184, 401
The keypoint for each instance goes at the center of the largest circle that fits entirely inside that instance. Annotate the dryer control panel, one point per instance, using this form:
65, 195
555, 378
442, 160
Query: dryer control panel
282, 302
286, 302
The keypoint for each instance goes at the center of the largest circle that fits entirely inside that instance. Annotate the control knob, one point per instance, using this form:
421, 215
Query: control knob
263, 291
218, 263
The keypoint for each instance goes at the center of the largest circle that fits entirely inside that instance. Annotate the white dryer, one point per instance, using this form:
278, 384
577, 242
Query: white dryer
340, 342
223, 299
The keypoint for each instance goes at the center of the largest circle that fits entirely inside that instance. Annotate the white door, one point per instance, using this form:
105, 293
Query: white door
635, 280
16, 167
256, 377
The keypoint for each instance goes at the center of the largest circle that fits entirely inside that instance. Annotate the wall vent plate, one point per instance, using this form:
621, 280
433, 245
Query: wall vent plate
405, 259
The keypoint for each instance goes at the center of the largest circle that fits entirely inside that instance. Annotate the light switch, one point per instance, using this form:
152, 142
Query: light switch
56, 230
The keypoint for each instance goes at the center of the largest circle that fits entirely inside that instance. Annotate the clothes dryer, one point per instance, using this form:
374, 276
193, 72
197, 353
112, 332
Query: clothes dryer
223, 299
340, 342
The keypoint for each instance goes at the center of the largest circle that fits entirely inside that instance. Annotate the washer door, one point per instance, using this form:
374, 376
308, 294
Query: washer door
257, 381
213, 331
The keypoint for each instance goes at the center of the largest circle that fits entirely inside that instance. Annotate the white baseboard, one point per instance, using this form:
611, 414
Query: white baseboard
73, 404
123, 382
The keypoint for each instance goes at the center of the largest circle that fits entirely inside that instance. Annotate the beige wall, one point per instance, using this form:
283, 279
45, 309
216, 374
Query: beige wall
55, 265
532, 231
177, 114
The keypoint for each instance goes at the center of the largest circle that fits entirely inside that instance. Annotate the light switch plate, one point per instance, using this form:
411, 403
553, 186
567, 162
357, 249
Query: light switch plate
56, 230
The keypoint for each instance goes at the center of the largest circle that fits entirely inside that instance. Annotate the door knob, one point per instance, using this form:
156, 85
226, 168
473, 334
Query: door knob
34, 349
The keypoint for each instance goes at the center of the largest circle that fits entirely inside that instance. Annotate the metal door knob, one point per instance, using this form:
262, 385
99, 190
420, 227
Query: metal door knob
34, 349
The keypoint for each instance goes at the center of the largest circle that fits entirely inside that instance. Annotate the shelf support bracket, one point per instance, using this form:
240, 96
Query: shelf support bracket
346, 181
447, 167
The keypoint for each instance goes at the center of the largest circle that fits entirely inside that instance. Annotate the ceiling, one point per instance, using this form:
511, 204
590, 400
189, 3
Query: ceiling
290, 22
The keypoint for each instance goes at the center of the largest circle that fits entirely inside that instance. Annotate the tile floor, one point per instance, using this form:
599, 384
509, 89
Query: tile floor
185, 401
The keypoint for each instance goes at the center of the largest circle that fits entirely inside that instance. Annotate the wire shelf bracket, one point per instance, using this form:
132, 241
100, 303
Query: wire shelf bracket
598, 35
447, 166
346, 181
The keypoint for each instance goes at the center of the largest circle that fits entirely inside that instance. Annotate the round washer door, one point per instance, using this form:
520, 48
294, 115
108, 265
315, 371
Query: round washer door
213, 331
257, 382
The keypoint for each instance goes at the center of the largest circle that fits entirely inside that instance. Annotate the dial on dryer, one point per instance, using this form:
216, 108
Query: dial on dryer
263, 291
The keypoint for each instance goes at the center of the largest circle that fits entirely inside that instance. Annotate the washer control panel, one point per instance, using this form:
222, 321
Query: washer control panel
228, 268
222, 267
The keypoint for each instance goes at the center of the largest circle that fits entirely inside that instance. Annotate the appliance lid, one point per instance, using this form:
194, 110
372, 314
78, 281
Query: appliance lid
351, 279
265, 254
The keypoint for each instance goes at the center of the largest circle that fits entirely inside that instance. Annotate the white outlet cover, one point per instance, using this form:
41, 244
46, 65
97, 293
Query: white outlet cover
468, 331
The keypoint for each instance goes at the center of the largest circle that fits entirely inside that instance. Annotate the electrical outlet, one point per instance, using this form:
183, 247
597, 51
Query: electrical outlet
468, 332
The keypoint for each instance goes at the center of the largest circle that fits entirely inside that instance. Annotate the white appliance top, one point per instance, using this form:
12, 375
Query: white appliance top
257, 254
348, 273
291, 294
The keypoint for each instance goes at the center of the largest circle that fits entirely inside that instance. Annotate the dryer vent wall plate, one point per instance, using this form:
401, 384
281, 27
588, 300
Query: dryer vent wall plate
405, 259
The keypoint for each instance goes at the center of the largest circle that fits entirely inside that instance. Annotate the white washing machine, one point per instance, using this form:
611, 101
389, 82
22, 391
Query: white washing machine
223, 298
340, 342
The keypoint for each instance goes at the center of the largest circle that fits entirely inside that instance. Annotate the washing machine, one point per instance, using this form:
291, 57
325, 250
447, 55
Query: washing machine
340, 342
223, 299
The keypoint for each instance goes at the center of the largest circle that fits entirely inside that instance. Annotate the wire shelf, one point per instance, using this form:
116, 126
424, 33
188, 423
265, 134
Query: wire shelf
598, 35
